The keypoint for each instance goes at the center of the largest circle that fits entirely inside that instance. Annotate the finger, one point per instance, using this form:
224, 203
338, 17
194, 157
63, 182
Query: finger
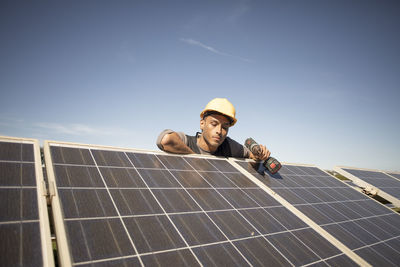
263, 152
266, 152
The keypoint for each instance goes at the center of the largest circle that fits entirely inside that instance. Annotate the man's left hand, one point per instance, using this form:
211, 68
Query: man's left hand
263, 155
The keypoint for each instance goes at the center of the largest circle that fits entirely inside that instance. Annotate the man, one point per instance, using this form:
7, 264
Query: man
215, 121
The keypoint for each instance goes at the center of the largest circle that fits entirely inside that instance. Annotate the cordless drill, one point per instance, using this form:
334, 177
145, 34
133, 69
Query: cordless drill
272, 164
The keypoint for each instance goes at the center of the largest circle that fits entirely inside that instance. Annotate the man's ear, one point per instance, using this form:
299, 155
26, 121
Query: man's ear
202, 124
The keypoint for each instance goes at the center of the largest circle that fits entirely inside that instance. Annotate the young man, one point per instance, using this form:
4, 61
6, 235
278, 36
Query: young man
215, 120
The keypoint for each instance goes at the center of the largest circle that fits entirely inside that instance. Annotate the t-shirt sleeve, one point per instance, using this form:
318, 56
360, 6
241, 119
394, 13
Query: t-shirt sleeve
168, 131
238, 150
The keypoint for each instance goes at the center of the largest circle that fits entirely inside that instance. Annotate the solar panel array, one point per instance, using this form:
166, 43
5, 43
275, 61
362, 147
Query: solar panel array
131, 208
120, 207
385, 185
24, 225
365, 226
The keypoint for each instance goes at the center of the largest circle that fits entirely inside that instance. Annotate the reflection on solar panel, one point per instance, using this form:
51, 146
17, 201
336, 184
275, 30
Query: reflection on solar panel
365, 226
24, 228
384, 185
126, 208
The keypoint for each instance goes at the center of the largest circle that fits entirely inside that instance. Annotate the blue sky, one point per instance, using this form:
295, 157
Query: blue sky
317, 82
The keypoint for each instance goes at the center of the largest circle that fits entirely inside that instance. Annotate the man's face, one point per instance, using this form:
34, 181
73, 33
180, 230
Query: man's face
214, 129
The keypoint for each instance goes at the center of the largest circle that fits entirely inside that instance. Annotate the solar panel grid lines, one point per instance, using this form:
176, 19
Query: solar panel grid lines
24, 225
366, 226
235, 213
395, 175
202, 221
381, 183
255, 228
253, 174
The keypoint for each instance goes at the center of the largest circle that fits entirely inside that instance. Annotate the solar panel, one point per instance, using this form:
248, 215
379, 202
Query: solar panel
125, 207
394, 174
377, 182
365, 226
24, 224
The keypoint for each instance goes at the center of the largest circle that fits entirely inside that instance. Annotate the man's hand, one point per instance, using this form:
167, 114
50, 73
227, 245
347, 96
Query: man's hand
263, 155
172, 143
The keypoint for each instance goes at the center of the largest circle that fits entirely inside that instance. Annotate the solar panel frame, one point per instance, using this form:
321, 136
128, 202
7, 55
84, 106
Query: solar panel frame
40, 192
65, 257
371, 186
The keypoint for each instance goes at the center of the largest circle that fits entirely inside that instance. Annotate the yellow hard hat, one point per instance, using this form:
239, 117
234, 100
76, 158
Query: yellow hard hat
223, 106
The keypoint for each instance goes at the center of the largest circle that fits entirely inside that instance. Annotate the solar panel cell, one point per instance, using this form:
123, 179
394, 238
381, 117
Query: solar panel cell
78, 176
114, 263
190, 179
220, 255
18, 204
142, 160
158, 178
237, 198
153, 233
17, 174
264, 222
15, 151
341, 260
174, 163
19, 244
200, 164
233, 224
314, 214
217, 179
209, 199
110, 158
122, 178
374, 257
259, 251
259, 196
286, 218
344, 236
74, 156
86, 203
172, 258
239, 180
197, 228
175, 200
316, 243
293, 248
98, 239
135, 201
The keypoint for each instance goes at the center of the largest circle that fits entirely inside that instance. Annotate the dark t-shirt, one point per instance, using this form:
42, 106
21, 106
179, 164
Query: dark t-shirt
228, 148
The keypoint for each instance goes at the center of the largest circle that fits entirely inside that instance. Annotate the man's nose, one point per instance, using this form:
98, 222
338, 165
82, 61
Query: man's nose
219, 129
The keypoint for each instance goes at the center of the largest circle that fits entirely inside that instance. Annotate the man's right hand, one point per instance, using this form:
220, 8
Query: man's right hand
173, 143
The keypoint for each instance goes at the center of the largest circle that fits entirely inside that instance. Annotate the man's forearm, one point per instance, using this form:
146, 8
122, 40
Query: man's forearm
173, 143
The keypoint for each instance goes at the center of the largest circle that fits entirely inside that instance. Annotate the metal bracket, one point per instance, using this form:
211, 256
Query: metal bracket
52, 190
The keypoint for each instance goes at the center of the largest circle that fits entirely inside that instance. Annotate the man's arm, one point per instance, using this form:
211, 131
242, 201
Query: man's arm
172, 143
